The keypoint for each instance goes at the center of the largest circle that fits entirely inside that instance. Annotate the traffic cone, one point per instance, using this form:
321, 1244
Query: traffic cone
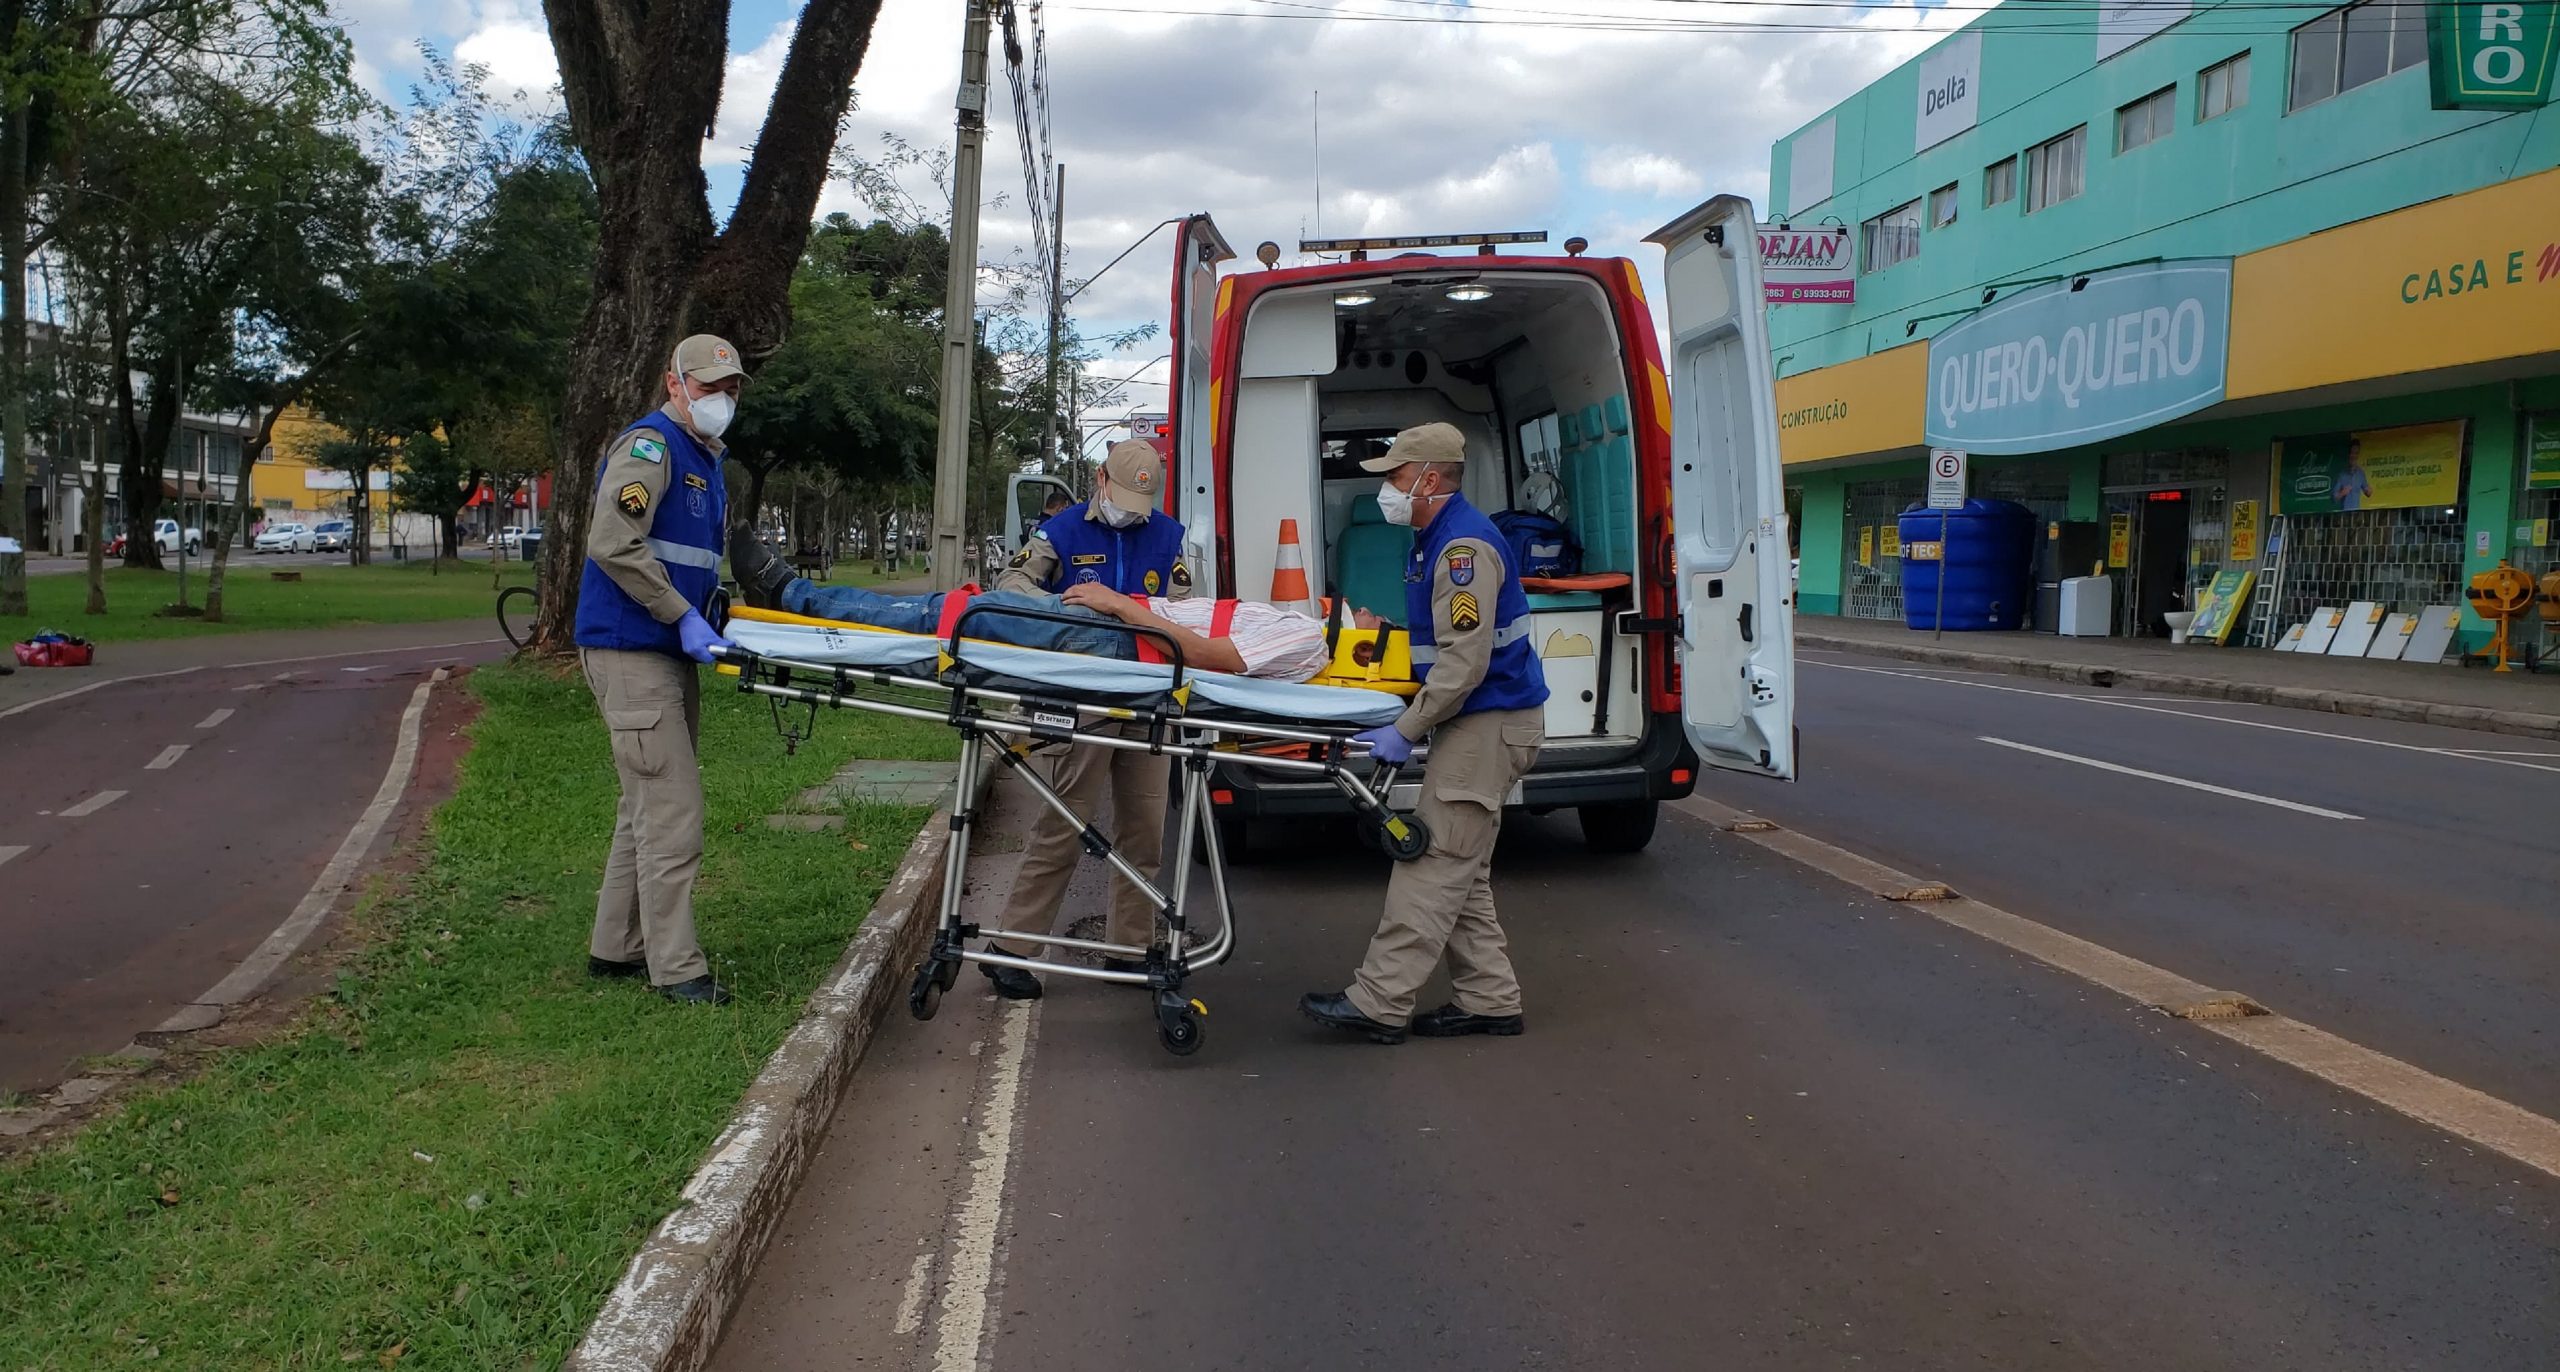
1289, 588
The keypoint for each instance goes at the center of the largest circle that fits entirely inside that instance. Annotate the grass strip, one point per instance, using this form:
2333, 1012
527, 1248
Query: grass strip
453, 1157
401, 593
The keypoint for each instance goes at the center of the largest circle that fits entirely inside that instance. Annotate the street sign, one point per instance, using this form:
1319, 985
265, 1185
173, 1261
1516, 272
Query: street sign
1946, 478
2488, 55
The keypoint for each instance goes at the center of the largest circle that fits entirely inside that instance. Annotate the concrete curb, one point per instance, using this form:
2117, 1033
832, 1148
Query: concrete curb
667, 1313
2525, 723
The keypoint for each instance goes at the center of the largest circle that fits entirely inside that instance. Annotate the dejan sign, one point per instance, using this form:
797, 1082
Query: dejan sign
2056, 367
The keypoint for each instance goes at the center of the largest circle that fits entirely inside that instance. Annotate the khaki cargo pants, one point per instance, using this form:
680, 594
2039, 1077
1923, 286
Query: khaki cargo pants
1442, 901
652, 702
1137, 782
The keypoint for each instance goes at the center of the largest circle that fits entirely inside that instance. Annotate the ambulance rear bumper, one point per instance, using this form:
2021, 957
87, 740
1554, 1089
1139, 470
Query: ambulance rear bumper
1659, 766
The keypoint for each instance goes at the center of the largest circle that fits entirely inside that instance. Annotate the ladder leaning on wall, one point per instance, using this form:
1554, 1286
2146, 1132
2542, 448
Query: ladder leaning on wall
2269, 591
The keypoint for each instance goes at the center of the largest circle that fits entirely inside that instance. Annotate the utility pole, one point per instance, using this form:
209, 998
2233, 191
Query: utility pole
1057, 317
960, 308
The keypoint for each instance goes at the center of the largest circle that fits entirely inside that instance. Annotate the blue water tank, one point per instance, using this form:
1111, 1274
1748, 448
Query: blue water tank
1988, 545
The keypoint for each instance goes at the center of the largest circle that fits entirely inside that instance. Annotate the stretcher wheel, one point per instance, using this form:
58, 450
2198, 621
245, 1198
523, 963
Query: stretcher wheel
925, 996
1405, 837
946, 972
1178, 1023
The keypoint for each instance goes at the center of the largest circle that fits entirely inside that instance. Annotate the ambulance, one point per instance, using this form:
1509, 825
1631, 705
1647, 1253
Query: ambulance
1667, 636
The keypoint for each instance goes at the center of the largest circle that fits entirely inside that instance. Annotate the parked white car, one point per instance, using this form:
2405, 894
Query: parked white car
165, 533
512, 536
331, 536
286, 538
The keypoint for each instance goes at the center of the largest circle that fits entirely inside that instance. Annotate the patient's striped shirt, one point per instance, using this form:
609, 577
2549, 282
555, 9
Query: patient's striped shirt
1273, 642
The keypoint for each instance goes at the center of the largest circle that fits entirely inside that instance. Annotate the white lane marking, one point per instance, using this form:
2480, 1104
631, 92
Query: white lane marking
21, 709
92, 805
368, 667
288, 938
2503, 752
969, 1278
2467, 754
910, 1319
2495, 1124
168, 758
10, 850
2121, 770
214, 720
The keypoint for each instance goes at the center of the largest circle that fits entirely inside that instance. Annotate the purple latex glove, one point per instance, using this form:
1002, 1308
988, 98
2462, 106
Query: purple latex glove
1386, 744
696, 636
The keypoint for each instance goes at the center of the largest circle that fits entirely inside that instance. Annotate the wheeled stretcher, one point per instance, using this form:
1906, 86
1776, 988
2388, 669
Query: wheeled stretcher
1004, 700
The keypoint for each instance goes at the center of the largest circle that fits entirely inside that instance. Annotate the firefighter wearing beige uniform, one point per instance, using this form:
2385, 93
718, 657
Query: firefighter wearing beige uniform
1120, 542
653, 564
1481, 705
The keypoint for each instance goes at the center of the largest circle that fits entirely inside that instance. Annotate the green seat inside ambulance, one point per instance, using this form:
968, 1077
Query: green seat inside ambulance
1369, 558
1600, 488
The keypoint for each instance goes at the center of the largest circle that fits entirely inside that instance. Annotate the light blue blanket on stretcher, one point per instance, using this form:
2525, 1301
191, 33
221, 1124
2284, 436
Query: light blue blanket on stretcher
1213, 694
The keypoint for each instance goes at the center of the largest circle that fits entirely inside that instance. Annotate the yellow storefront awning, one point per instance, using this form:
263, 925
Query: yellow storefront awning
1871, 405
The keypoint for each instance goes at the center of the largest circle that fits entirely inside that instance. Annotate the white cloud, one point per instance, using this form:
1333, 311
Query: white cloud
517, 54
1635, 170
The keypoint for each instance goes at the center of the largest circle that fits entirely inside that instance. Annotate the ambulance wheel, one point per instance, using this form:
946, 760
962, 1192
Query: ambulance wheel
1178, 1023
1619, 827
925, 996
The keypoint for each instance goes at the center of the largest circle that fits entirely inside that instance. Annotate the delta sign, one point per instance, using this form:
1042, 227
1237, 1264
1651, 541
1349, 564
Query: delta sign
1808, 266
2083, 359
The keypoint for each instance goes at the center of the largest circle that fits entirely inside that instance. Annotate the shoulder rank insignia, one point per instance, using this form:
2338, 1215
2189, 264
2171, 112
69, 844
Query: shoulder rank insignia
633, 498
1464, 614
1021, 555
1181, 575
648, 449
1462, 563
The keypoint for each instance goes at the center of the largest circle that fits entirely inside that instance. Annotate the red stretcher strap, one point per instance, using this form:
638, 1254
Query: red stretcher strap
1591, 581
954, 602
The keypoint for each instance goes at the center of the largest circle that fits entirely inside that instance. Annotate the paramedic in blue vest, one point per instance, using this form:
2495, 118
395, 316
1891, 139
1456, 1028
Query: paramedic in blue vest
1120, 542
1481, 706
653, 561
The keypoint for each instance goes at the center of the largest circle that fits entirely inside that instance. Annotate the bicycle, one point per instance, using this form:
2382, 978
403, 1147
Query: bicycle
516, 620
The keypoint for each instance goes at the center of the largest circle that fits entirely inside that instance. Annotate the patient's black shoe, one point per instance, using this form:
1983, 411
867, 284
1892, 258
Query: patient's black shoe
761, 575
1012, 983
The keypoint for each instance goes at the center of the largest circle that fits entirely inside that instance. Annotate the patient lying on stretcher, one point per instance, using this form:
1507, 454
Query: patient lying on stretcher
1243, 637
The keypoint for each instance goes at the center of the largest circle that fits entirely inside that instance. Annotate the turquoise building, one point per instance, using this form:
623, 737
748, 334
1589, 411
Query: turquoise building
2215, 279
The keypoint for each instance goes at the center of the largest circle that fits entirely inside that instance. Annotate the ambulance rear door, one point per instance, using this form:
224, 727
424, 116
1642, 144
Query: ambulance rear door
1728, 504
1190, 401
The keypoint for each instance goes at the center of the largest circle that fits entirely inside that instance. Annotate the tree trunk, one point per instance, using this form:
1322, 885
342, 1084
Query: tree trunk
143, 459
642, 82
245, 499
93, 517
13, 350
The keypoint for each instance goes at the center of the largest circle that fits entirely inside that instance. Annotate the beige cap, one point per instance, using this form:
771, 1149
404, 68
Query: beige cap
1135, 469
707, 358
1421, 443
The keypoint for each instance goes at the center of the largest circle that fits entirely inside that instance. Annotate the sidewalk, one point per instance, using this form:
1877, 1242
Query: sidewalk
160, 657
2516, 702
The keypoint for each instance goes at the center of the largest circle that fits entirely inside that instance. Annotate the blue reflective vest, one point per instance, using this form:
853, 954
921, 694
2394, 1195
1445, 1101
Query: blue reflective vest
686, 535
1134, 561
1512, 681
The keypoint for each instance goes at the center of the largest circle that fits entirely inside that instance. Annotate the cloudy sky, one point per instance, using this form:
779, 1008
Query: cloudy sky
1595, 117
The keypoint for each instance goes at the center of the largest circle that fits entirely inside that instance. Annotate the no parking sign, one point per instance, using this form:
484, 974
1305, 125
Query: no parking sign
1946, 478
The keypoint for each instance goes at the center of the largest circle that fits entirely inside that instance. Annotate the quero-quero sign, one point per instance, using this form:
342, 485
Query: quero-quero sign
2491, 54
2055, 367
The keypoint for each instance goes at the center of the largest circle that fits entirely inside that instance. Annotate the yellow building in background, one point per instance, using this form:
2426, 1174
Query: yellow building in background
289, 482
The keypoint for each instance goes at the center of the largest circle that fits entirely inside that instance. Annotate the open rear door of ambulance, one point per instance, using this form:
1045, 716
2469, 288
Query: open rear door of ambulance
1191, 394
1728, 497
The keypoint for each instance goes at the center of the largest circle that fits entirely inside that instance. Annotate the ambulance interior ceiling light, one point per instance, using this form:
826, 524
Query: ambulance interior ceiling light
1470, 291
1354, 299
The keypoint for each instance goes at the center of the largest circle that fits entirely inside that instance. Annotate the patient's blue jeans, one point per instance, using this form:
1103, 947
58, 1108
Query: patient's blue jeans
922, 614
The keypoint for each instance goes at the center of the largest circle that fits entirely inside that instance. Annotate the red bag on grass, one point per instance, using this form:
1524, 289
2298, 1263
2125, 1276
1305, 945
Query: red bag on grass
51, 649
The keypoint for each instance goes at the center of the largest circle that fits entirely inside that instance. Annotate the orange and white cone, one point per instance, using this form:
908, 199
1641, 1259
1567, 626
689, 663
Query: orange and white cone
1289, 588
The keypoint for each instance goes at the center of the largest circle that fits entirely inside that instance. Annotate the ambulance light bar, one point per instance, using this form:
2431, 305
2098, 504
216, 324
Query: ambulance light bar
1428, 240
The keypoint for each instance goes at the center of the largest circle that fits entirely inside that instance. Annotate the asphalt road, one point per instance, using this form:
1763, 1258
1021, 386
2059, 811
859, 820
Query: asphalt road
1759, 1120
2428, 926
153, 832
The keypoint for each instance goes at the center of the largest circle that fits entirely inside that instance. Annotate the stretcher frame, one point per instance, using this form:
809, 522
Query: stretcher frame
1003, 718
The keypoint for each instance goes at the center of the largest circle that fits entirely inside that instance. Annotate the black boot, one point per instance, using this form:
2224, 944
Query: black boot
1012, 983
1335, 1010
1449, 1022
702, 990
761, 576
603, 967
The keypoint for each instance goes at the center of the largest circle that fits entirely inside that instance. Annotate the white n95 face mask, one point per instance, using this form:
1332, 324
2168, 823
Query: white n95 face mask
712, 413
1119, 518
1396, 505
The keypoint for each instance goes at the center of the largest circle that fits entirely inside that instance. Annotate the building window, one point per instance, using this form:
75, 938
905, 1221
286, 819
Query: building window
2222, 88
2147, 120
2000, 182
1942, 206
1893, 236
2355, 46
2054, 169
